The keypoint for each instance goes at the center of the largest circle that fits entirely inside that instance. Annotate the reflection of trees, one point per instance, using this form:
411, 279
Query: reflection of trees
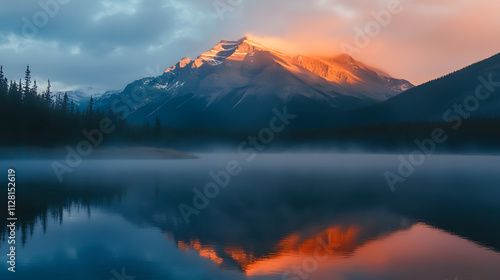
254, 221
38, 202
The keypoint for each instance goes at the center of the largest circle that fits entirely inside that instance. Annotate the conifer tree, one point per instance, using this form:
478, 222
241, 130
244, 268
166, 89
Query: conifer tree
3, 83
27, 83
65, 103
46, 95
90, 109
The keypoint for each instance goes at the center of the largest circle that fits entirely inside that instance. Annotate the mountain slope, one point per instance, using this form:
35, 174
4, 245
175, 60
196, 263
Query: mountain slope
433, 101
81, 97
237, 84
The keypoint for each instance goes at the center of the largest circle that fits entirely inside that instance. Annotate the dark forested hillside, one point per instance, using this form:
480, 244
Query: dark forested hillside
33, 117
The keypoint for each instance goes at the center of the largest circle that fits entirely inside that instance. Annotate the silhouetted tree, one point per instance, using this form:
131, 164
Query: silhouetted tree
4, 87
65, 104
27, 82
34, 89
58, 103
47, 99
90, 109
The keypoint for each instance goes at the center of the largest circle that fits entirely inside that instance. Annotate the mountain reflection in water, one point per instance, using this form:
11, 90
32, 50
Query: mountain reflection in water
284, 217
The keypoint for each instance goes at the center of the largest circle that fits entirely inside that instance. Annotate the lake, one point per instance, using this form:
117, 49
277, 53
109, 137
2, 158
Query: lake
278, 216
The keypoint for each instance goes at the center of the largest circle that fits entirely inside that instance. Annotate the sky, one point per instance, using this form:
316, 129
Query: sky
107, 44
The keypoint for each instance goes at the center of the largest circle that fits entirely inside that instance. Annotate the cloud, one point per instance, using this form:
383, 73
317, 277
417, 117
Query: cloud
96, 43
110, 43
427, 39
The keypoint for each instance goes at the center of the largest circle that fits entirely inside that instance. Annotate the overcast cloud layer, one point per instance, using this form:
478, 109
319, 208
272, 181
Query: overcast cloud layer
110, 43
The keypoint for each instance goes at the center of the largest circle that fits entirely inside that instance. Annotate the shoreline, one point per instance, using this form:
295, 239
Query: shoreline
132, 153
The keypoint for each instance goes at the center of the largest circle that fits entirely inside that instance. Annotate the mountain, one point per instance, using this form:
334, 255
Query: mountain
81, 97
471, 92
237, 84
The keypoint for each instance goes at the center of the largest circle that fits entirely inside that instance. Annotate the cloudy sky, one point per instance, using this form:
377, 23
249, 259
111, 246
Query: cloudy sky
110, 43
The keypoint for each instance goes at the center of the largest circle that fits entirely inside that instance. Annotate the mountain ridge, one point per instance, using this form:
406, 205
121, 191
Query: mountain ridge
236, 84
430, 101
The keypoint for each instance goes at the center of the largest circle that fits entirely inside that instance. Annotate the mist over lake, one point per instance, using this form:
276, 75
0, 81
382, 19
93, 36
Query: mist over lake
317, 215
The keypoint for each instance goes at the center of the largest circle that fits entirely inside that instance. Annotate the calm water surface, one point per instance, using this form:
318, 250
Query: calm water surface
285, 216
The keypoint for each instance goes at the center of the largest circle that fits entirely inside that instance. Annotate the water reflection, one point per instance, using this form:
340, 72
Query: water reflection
284, 217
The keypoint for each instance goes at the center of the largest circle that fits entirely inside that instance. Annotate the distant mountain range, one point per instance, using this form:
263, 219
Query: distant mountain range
236, 85
81, 97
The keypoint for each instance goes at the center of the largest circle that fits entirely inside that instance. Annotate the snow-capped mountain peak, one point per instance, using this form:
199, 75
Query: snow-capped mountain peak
225, 50
81, 97
230, 84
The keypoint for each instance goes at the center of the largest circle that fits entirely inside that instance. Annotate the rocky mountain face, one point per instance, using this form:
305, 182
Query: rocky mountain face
237, 84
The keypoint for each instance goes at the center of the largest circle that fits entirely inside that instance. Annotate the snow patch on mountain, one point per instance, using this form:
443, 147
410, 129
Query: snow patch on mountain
231, 83
81, 97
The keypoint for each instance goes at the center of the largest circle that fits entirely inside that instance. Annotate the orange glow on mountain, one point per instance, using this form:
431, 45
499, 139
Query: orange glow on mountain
205, 251
349, 250
334, 241
239, 255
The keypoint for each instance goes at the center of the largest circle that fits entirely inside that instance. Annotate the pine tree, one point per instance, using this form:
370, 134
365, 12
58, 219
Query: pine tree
34, 90
4, 87
65, 103
90, 109
30, 95
47, 99
58, 103
27, 83
12, 87
3, 97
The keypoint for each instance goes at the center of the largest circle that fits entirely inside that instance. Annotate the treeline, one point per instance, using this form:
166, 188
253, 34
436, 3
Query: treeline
32, 118
473, 135
29, 117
